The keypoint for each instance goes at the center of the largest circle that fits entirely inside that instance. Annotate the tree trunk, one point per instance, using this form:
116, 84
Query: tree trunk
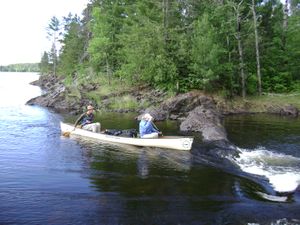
240, 48
166, 19
285, 14
285, 21
229, 61
256, 48
107, 70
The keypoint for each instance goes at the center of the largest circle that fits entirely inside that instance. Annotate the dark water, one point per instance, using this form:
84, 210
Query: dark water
49, 179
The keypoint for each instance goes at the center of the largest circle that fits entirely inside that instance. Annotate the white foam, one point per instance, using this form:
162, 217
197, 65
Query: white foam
282, 170
272, 197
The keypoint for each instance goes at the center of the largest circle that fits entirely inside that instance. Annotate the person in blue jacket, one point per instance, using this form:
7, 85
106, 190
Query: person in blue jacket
147, 128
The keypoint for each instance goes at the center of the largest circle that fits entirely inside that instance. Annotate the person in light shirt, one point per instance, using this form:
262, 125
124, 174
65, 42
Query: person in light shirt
147, 128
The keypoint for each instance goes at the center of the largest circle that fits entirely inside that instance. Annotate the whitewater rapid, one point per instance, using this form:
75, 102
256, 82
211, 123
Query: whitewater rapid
282, 171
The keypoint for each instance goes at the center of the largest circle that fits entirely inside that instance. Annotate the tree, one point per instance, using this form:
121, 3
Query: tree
53, 34
44, 64
256, 47
104, 45
184, 44
205, 55
292, 44
240, 47
72, 45
146, 40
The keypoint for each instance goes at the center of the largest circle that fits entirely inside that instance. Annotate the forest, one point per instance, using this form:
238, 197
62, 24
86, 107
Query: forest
230, 47
20, 67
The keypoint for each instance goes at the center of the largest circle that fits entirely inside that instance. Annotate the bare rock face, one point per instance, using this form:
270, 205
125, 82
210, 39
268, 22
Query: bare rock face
207, 121
55, 97
178, 106
198, 113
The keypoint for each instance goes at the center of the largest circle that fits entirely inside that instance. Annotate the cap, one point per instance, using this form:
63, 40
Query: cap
90, 107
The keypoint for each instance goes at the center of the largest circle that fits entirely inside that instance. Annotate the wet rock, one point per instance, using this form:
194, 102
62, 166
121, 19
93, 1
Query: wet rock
197, 111
207, 121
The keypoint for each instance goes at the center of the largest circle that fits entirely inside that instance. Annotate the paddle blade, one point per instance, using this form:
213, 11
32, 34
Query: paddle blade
66, 133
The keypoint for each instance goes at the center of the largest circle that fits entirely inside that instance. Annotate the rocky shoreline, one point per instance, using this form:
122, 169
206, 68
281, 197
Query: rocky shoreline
196, 111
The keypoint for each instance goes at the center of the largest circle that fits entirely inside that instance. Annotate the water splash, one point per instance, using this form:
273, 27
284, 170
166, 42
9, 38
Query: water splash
282, 170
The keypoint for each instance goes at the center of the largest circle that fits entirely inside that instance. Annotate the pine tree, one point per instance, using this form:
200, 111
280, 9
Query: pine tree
53, 34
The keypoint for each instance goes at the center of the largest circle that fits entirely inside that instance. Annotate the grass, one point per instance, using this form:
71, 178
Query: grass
257, 104
119, 98
124, 102
74, 92
115, 90
280, 99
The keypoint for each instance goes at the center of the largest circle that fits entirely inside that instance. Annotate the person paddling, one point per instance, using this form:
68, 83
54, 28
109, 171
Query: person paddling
147, 127
86, 121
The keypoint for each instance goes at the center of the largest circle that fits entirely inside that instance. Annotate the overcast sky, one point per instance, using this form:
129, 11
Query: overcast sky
23, 23
23, 27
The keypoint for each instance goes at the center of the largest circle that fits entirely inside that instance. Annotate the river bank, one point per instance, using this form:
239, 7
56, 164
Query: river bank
196, 111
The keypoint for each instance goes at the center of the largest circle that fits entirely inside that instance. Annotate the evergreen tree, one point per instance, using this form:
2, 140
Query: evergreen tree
44, 64
106, 25
206, 53
72, 45
184, 44
53, 34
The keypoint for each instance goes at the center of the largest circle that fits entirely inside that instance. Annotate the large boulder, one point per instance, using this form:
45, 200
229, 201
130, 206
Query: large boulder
178, 106
207, 121
198, 113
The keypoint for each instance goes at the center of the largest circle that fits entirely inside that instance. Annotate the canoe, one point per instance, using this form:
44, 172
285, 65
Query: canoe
170, 142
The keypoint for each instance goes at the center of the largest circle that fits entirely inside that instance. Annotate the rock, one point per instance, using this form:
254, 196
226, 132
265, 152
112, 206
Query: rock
57, 96
178, 106
289, 110
286, 110
207, 121
197, 111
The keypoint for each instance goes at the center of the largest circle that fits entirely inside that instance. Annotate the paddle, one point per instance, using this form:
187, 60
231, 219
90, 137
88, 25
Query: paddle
67, 133
156, 128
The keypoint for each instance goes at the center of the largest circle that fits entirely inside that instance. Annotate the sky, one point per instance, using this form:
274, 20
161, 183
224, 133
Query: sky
23, 23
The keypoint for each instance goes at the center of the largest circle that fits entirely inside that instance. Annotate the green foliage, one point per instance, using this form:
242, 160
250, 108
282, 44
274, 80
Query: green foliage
145, 54
125, 102
293, 45
73, 46
206, 53
45, 65
53, 34
21, 67
296, 87
177, 46
252, 84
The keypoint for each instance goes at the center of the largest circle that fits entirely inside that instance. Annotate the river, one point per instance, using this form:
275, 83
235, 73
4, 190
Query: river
49, 179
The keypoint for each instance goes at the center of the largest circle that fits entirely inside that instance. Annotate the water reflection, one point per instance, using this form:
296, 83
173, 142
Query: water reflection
143, 165
50, 179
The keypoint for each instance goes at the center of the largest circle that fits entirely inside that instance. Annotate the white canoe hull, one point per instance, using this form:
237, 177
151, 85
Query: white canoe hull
170, 142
